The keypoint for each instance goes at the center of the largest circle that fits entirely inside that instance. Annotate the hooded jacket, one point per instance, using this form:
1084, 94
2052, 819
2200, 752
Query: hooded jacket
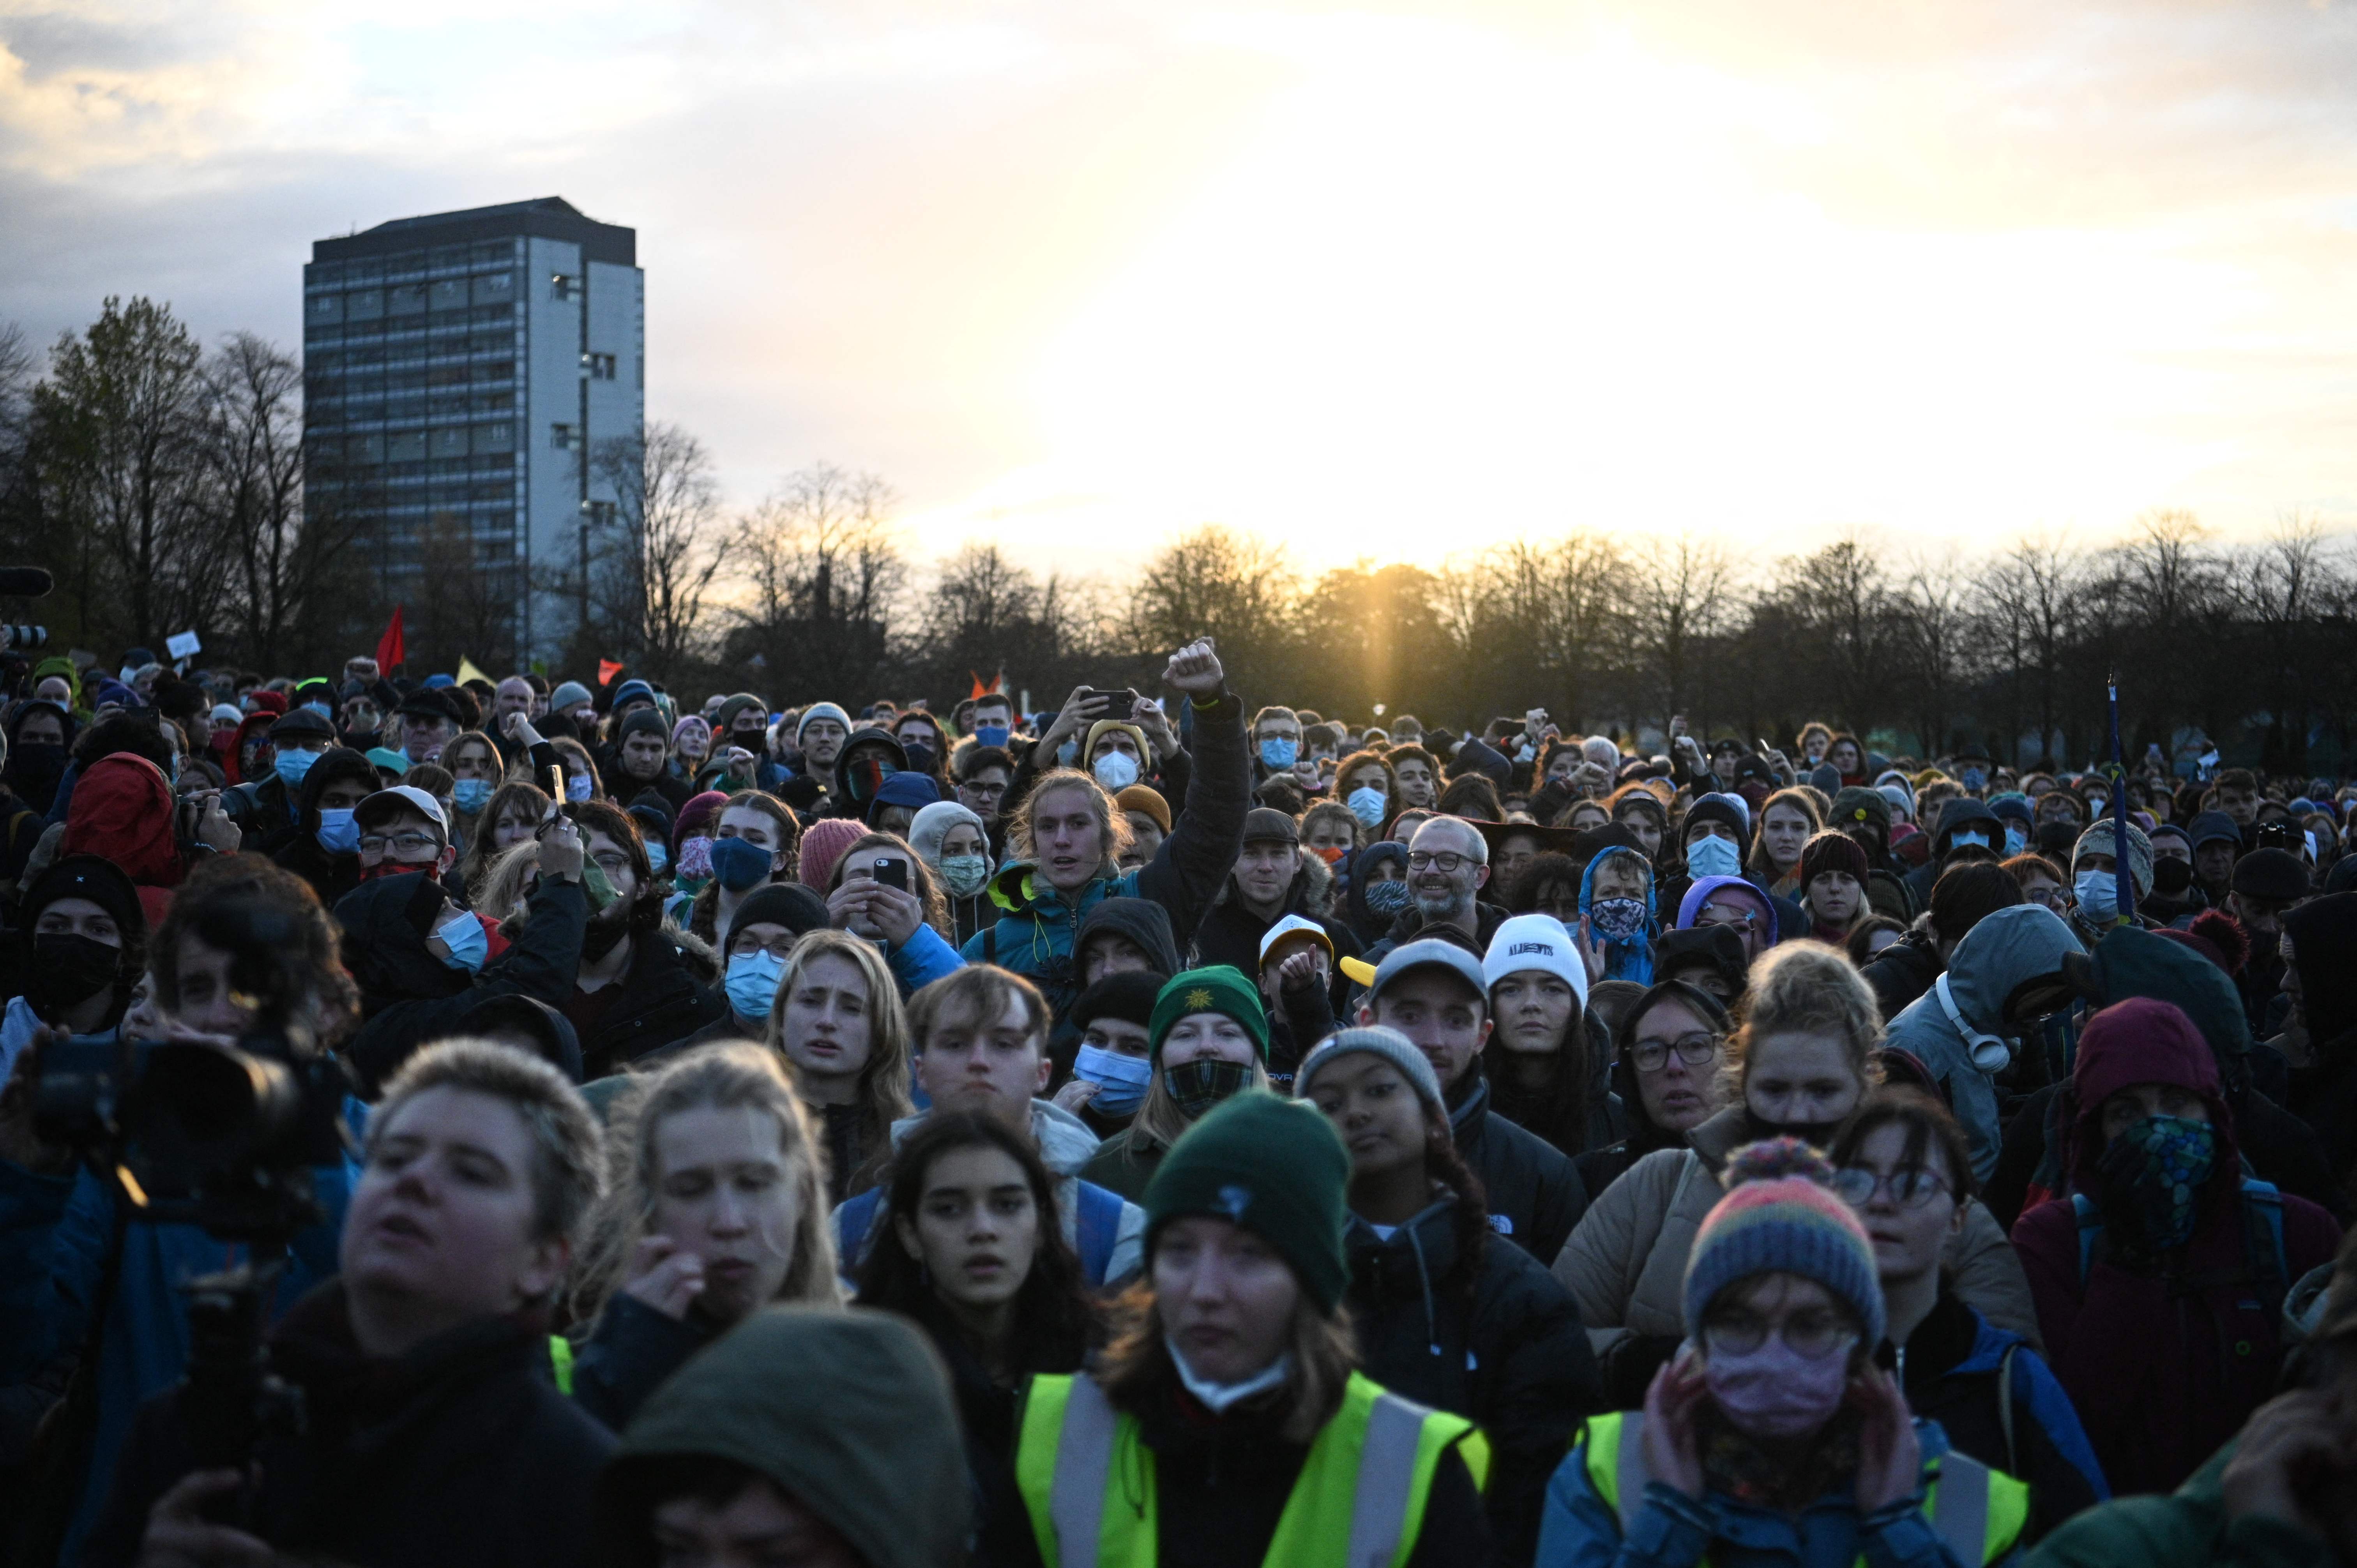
297, 848
1631, 960
1365, 924
1039, 925
1065, 1145
926, 831
123, 809
1952, 1369
841, 801
2164, 1358
846, 1412
1533, 1191
1491, 1338
460, 1451
1626, 1264
1958, 1028
409, 997
2323, 934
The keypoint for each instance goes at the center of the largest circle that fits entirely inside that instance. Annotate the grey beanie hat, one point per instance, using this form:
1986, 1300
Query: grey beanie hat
1374, 1041
2102, 838
571, 694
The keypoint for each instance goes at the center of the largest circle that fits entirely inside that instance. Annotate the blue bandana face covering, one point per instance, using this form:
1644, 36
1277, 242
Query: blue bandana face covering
2174, 1157
1617, 920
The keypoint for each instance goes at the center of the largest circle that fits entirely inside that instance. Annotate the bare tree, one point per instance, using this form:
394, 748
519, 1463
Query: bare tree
1935, 622
825, 573
1682, 590
1214, 581
666, 548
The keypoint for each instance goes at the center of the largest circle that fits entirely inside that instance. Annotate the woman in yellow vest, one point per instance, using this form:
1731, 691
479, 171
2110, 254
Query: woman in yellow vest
1225, 1427
1772, 1438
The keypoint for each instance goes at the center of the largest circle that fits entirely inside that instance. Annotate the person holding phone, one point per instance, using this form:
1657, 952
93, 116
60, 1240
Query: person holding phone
883, 891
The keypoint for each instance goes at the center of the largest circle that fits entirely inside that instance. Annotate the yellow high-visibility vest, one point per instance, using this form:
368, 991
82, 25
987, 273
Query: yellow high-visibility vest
1088, 1482
1976, 1512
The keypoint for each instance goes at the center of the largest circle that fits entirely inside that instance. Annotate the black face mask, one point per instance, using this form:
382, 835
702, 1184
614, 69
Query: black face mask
1199, 1085
67, 969
1817, 1134
2172, 876
34, 771
2056, 838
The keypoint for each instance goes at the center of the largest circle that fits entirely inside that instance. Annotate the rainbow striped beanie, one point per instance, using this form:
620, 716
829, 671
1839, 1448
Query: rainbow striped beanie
1784, 1224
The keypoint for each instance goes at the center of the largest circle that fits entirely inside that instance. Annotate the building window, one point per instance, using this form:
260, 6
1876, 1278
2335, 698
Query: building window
600, 366
601, 513
563, 285
563, 437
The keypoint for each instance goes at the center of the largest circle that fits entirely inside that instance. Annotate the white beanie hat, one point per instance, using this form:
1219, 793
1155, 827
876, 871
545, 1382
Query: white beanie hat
1539, 942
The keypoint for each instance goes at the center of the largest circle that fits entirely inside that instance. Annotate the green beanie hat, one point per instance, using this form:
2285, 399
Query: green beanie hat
1276, 1167
1222, 988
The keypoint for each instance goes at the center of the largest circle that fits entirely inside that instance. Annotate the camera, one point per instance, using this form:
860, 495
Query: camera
20, 636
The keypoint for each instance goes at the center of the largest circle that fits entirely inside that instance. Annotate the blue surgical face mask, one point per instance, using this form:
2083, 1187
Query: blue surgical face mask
2017, 838
658, 855
467, 942
1116, 770
471, 795
576, 786
2098, 892
290, 766
1975, 837
320, 709
338, 834
1279, 752
1068, 753
1122, 1080
1368, 804
753, 977
990, 734
1714, 857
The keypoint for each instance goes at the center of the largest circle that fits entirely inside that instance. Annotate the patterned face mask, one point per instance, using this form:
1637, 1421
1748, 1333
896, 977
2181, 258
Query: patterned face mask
1196, 1086
1387, 897
1617, 920
2168, 1158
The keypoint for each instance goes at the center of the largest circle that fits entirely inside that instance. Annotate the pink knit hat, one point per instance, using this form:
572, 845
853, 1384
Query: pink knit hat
823, 843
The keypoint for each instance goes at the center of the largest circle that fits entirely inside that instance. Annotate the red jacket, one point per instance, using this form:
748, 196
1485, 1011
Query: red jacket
2163, 1366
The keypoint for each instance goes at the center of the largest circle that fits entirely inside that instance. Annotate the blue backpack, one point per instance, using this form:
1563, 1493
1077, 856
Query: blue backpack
2262, 1212
1095, 1228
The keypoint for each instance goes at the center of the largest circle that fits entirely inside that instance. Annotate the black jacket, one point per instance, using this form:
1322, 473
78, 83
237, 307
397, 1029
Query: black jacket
1901, 972
1571, 1119
660, 999
1230, 934
1221, 1482
628, 1353
1495, 1338
1952, 1369
409, 997
459, 1452
1534, 1192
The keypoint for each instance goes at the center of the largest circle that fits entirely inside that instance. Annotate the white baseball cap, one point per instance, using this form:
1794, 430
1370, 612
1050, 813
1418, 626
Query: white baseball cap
1291, 925
1539, 942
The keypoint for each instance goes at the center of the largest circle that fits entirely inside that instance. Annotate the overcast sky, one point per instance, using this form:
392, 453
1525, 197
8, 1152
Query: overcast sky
1388, 281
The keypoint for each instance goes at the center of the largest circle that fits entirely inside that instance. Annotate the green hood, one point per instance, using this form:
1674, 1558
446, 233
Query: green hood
847, 1410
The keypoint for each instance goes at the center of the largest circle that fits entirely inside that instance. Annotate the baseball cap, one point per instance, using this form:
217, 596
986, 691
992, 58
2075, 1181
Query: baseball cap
400, 798
1295, 924
1429, 952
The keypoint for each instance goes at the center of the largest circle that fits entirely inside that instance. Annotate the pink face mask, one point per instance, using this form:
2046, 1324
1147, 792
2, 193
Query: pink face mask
1776, 1392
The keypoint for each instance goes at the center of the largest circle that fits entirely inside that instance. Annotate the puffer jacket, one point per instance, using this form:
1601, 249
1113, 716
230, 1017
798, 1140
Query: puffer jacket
1951, 1368
1040, 925
1958, 1028
1533, 1191
1626, 1264
2165, 1358
1492, 1339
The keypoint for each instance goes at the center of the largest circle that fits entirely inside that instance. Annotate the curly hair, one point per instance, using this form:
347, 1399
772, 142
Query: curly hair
1806, 985
239, 901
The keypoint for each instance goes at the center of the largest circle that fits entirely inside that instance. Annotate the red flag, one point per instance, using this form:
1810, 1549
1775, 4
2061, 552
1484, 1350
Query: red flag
391, 650
608, 669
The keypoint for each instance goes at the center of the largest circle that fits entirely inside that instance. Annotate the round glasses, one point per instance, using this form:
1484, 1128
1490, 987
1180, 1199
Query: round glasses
1911, 1187
1652, 1055
1813, 1336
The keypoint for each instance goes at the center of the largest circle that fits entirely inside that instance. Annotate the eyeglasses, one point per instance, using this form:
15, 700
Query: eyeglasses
1652, 1055
400, 843
989, 789
2049, 897
1444, 864
1811, 1336
1732, 921
612, 863
1911, 1186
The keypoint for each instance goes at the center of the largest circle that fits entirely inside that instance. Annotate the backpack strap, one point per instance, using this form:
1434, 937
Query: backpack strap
1096, 1228
2004, 1406
2090, 1225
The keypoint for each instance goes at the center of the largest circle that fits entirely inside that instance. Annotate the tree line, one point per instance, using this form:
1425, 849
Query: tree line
163, 482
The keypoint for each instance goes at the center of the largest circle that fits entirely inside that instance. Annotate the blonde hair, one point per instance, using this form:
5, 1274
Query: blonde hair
1159, 1122
499, 894
566, 1143
1806, 985
883, 1089
1111, 821
727, 1075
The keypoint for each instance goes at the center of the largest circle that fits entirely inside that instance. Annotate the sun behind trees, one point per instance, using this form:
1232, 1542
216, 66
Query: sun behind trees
163, 484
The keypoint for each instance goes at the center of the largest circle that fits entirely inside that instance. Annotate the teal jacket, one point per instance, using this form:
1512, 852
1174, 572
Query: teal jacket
1038, 924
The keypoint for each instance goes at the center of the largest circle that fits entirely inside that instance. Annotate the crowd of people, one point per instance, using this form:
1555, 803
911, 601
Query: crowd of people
1158, 1131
